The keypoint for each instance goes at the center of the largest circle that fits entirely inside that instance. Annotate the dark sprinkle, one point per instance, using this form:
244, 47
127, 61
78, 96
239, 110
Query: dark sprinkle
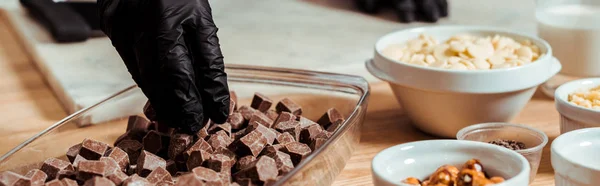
509, 144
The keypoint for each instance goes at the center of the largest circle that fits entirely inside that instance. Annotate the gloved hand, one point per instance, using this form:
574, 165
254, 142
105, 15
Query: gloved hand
408, 10
171, 50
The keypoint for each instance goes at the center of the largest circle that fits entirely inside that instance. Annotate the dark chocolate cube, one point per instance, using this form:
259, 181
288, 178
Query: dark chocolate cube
37, 176
92, 149
188, 180
9, 178
136, 180
73, 152
225, 127
117, 177
271, 149
310, 133
259, 171
261, 102
287, 105
305, 122
148, 162
283, 117
179, 143
111, 166
244, 162
197, 158
284, 138
171, 167
66, 174
158, 175
266, 132
272, 114
68, 182
219, 140
292, 127
149, 111
132, 148
246, 112
78, 159
98, 181
52, 166
330, 117
318, 142
262, 119
51, 183
89, 169
120, 157
236, 120
220, 163
154, 142
199, 145
335, 126
137, 123
297, 151
251, 144
207, 175
283, 161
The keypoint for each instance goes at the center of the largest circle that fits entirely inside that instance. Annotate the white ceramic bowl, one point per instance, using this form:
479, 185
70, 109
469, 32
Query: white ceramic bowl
575, 158
420, 159
443, 101
573, 117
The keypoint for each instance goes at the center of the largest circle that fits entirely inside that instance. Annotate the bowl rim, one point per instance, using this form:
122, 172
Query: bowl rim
557, 151
467, 28
570, 110
489, 125
286, 76
492, 81
524, 164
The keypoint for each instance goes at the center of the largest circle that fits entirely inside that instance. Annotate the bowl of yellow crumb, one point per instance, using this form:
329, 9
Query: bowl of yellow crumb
578, 103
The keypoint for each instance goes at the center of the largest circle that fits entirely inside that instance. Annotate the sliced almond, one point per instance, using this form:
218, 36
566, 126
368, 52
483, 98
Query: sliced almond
482, 51
481, 64
503, 65
458, 47
429, 59
525, 53
468, 64
442, 52
458, 66
496, 60
453, 60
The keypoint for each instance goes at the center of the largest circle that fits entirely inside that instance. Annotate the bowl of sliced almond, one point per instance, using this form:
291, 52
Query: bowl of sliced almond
450, 77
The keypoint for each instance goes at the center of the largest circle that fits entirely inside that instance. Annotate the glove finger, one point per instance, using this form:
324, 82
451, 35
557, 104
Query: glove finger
367, 6
405, 10
443, 7
208, 63
428, 9
174, 94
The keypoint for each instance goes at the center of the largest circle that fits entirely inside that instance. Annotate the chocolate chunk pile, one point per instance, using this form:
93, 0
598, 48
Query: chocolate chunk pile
509, 144
256, 146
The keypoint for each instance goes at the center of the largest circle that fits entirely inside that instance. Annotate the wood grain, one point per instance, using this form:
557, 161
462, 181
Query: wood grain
27, 106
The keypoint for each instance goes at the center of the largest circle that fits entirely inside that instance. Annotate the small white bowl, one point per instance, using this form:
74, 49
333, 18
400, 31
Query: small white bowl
575, 158
573, 117
420, 159
443, 101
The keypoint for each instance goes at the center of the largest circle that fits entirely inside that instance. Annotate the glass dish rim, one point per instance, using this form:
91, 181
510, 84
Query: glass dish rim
351, 81
494, 125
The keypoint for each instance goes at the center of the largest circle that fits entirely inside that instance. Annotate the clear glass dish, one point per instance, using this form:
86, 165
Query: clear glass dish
314, 91
534, 139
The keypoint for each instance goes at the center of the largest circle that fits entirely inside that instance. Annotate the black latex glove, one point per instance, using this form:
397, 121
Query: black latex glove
408, 10
171, 49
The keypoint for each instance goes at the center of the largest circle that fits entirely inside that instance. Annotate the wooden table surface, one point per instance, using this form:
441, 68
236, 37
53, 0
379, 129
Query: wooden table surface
27, 106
